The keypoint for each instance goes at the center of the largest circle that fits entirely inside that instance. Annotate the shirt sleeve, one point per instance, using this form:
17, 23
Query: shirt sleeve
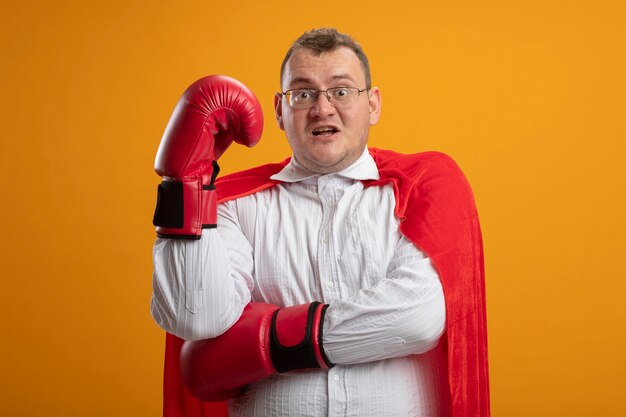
200, 287
403, 314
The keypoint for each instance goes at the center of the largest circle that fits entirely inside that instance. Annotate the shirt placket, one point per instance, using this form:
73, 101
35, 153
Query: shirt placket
330, 284
327, 259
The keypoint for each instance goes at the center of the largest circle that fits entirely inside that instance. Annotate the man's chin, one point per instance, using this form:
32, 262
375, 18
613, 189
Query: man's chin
329, 163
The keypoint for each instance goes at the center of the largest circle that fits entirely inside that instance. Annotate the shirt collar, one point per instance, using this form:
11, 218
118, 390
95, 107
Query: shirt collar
362, 169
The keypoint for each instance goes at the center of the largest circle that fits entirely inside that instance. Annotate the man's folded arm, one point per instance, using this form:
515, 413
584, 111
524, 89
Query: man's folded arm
403, 314
200, 287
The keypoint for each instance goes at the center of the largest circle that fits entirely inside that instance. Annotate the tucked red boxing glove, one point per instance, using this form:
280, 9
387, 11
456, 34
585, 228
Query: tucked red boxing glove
266, 339
211, 114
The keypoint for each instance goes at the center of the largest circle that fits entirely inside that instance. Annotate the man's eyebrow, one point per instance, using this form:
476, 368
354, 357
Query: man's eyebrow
300, 80
343, 77
306, 80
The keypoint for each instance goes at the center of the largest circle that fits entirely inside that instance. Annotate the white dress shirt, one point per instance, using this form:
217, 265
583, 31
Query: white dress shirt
316, 238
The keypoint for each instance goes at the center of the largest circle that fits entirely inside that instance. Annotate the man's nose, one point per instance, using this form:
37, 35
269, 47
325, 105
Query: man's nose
323, 105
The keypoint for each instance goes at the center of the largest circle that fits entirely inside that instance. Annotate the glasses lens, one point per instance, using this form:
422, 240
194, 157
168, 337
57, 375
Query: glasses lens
302, 98
343, 93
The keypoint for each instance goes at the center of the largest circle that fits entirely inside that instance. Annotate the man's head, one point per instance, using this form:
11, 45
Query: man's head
330, 132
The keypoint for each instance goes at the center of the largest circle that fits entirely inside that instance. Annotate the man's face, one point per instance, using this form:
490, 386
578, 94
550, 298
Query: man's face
325, 138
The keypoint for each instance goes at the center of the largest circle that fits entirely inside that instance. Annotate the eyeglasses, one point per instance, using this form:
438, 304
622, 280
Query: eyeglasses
303, 98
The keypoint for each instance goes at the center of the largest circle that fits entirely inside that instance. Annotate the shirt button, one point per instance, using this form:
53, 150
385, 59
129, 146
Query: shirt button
336, 377
330, 285
325, 240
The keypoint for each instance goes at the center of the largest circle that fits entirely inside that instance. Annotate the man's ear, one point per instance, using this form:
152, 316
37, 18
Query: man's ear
374, 103
278, 108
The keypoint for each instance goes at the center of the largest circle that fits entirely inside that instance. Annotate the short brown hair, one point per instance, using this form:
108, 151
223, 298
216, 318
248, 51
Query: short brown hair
327, 40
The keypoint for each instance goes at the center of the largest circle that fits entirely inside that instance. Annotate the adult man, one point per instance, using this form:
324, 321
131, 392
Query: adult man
324, 227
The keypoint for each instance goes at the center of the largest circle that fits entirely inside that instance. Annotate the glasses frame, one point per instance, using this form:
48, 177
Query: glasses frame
317, 94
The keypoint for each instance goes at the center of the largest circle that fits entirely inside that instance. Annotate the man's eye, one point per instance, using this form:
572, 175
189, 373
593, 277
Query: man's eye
303, 95
342, 92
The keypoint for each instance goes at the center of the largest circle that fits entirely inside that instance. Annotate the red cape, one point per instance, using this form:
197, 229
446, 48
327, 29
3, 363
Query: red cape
438, 213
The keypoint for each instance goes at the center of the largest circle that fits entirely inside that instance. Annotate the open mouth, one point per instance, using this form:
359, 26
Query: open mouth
324, 131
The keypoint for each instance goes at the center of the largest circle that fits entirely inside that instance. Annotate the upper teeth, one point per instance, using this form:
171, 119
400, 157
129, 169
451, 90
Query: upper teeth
324, 129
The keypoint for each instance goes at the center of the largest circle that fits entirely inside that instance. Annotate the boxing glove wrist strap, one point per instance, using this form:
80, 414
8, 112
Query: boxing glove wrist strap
184, 208
296, 338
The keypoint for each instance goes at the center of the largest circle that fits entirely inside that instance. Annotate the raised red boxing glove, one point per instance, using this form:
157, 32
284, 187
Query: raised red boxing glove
266, 339
211, 114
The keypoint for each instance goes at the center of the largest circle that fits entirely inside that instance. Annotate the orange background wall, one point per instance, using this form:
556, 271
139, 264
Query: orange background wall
528, 96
